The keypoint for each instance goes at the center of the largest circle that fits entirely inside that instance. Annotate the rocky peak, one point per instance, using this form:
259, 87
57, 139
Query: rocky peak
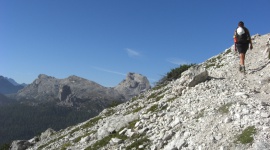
132, 85
73, 89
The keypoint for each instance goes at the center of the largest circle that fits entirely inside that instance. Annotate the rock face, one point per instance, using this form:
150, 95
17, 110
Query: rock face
132, 85
212, 106
73, 90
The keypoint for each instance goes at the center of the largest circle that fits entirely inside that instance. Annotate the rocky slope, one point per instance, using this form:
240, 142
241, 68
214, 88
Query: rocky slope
212, 106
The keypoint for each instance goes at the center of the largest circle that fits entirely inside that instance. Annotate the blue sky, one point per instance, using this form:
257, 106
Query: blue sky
103, 40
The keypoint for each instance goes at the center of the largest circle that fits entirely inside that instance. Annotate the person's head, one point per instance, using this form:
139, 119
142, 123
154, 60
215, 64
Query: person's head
241, 24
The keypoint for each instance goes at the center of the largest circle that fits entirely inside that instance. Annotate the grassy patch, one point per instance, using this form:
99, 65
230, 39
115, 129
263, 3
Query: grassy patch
209, 65
137, 143
159, 86
78, 139
212, 62
91, 122
103, 142
160, 97
109, 112
57, 139
153, 108
171, 99
65, 146
227, 52
246, 136
154, 95
131, 124
133, 110
141, 96
114, 103
137, 109
224, 109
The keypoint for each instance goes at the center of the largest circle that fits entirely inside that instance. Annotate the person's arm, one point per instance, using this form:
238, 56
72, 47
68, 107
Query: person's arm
235, 40
250, 41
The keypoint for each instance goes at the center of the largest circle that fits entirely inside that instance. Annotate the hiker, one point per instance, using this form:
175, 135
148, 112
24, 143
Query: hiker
242, 41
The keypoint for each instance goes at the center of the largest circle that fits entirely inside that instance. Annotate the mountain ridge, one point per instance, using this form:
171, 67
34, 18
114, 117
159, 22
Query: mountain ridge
9, 87
46, 88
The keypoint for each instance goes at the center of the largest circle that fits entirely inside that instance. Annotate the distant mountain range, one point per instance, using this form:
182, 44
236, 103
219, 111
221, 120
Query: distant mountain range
49, 102
78, 92
14, 82
9, 86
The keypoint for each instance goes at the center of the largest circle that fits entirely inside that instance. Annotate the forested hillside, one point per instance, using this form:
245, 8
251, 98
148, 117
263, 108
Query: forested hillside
21, 121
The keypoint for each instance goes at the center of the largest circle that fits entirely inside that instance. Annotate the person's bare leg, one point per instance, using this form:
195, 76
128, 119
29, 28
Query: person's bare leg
242, 59
242, 62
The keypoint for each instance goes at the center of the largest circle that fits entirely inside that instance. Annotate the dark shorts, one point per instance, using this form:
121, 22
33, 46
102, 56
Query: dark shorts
242, 48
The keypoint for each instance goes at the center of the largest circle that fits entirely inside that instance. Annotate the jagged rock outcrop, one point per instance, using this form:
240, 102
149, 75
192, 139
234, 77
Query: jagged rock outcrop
229, 110
133, 85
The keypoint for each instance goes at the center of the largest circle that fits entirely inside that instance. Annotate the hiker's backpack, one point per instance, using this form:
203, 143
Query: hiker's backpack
241, 35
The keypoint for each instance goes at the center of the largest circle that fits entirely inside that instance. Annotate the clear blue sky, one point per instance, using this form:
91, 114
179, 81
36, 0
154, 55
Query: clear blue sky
102, 40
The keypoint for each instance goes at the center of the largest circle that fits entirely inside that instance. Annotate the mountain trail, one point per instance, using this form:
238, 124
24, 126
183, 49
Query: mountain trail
212, 106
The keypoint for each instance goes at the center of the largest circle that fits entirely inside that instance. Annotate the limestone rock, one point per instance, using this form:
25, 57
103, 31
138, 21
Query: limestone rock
132, 85
46, 134
20, 145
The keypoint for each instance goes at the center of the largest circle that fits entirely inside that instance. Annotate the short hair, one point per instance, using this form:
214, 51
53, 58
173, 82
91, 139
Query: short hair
241, 23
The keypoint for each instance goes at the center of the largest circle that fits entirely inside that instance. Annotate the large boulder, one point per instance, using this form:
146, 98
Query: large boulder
193, 76
44, 135
20, 145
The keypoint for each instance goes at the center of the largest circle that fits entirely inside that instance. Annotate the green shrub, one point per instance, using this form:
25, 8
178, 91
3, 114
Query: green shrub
246, 136
114, 103
174, 74
4, 147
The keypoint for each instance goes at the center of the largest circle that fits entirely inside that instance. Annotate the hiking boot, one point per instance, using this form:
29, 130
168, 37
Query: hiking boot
240, 68
243, 69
